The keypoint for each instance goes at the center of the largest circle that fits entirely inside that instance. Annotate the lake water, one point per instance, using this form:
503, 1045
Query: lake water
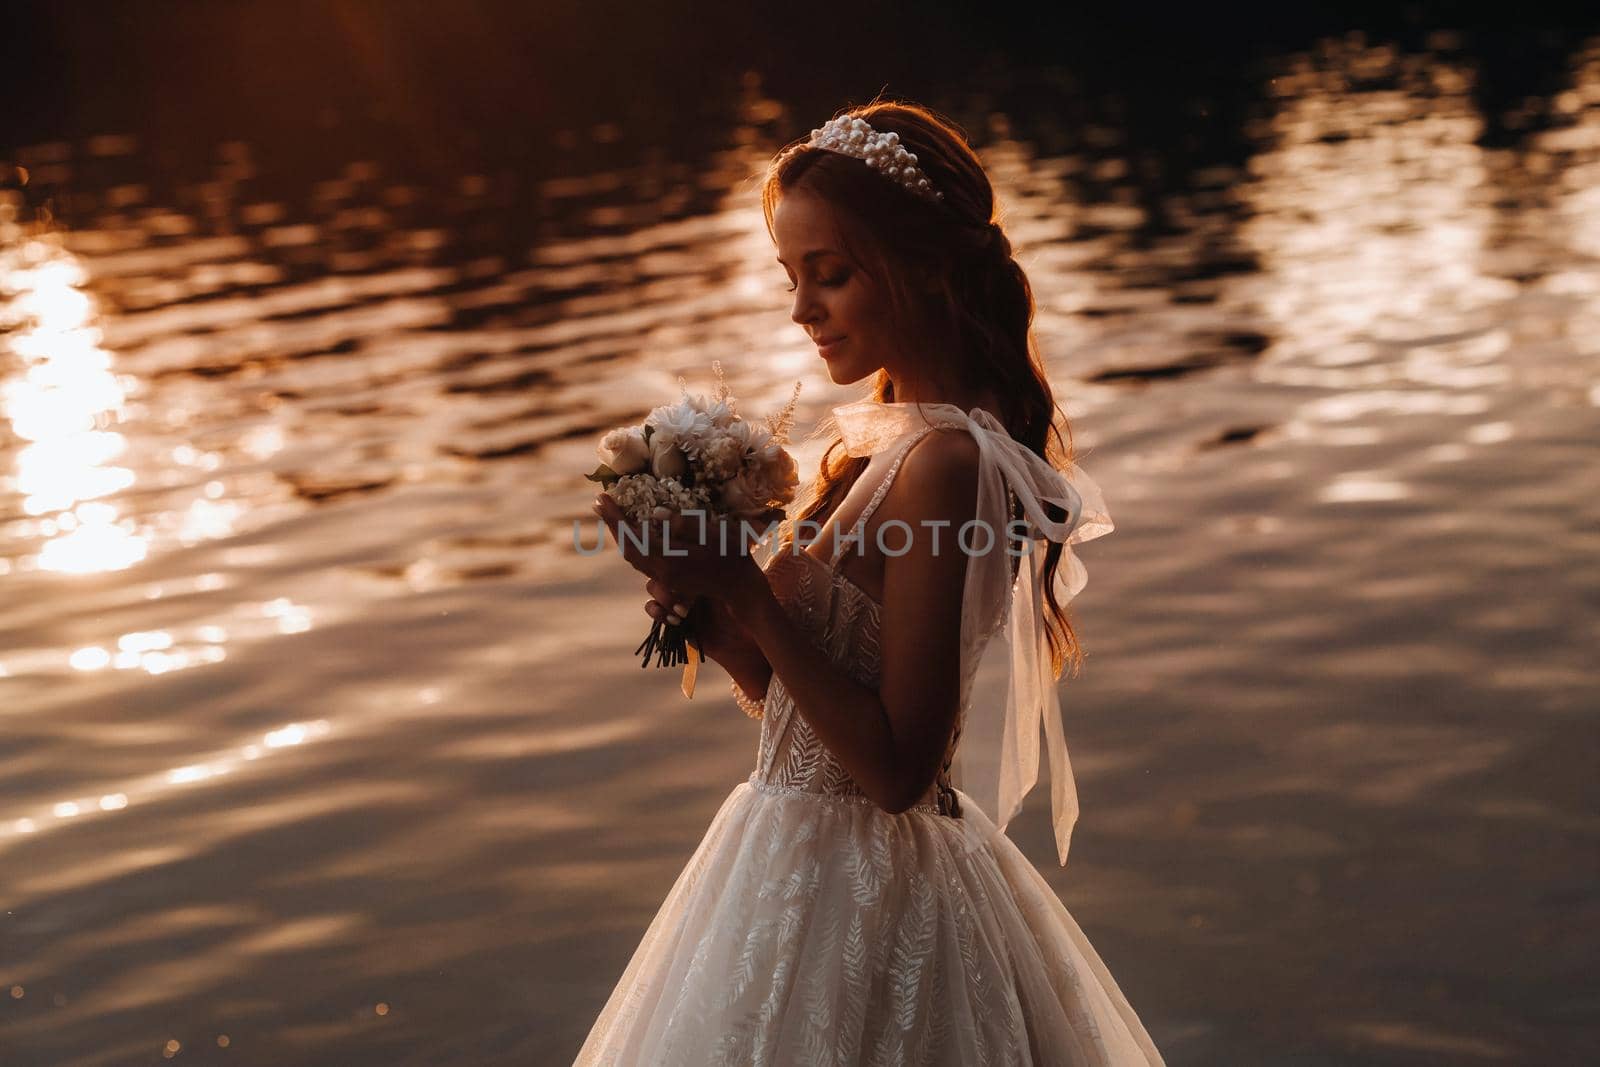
319, 743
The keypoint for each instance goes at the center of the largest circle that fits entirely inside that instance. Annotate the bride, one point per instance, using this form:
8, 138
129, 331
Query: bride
856, 901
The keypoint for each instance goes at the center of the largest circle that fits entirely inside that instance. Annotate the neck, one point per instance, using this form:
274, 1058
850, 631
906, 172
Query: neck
918, 392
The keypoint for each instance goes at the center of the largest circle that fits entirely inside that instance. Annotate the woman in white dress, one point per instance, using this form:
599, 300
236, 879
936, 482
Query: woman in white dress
856, 901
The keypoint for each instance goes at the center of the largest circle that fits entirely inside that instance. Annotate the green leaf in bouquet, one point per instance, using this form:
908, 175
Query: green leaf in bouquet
604, 474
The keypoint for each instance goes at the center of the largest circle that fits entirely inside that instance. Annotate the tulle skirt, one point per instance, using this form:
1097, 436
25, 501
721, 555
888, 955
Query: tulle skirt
808, 931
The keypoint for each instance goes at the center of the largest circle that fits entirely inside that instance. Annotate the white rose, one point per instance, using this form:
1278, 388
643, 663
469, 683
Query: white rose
666, 458
625, 450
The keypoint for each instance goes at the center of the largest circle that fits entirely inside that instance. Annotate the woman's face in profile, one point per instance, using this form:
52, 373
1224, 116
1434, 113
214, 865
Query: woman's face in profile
834, 300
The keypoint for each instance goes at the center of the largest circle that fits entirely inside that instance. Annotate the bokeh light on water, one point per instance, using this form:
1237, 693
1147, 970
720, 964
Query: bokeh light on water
64, 395
321, 744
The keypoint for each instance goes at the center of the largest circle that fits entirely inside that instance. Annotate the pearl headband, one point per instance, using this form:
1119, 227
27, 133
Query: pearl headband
881, 151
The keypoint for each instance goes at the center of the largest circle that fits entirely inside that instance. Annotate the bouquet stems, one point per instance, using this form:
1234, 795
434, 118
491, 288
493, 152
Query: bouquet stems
669, 643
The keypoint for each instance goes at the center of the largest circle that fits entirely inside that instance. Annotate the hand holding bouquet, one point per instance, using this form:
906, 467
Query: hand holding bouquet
695, 465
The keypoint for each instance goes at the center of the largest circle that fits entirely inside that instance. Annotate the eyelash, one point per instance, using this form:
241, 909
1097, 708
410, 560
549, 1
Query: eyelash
829, 282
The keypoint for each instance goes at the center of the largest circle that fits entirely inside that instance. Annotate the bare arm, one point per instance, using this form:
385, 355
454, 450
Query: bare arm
748, 666
891, 740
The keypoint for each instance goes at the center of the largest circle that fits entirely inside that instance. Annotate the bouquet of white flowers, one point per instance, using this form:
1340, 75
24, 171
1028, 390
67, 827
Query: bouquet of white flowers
697, 456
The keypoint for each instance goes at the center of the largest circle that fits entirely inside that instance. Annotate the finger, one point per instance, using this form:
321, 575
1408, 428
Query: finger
629, 546
615, 519
607, 509
664, 594
672, 524
645, 564
702, 526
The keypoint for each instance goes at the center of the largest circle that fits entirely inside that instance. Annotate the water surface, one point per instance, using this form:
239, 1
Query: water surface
321, 744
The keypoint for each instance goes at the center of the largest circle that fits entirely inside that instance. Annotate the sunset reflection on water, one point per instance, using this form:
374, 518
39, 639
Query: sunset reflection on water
61, 403
321, 741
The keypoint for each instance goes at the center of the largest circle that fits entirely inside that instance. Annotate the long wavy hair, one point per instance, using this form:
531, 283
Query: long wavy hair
954, 292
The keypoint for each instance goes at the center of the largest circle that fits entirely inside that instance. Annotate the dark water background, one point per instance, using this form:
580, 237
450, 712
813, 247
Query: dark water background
319, 744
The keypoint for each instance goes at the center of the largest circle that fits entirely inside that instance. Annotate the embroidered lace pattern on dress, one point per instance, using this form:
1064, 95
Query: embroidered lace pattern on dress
844, 622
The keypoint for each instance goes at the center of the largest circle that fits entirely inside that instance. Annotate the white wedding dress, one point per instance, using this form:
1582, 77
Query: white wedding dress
812, 928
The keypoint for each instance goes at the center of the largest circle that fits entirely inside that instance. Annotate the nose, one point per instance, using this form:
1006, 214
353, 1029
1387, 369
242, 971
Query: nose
805, 308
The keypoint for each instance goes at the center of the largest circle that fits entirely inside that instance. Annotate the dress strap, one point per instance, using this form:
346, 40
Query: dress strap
858, 531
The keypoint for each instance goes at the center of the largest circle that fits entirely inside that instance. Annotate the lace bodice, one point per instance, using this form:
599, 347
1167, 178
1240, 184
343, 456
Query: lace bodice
843, 621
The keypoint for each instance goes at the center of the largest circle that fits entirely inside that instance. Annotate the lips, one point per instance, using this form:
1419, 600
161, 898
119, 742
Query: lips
827, 343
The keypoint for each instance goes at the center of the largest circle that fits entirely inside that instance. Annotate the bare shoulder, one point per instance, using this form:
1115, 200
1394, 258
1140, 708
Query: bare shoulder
938, 479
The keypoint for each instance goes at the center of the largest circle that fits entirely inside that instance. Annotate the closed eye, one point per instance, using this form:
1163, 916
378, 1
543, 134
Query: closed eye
831, 283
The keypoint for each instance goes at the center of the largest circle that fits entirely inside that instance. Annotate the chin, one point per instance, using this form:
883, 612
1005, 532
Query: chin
841, 372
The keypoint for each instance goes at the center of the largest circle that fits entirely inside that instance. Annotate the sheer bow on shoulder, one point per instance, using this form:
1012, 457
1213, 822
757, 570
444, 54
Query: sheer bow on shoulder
997, 760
